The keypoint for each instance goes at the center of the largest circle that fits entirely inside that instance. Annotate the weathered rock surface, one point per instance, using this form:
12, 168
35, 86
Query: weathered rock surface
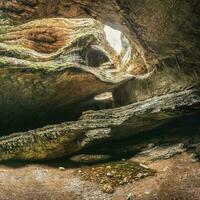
161, 34
157, 29
159, 153
54, 59
47, 62
93, 127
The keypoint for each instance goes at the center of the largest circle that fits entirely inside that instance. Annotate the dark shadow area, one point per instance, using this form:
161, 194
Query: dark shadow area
15, 122
184, 130
59, 162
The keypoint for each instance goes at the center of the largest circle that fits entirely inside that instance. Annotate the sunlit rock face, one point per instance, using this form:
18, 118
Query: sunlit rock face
48, 64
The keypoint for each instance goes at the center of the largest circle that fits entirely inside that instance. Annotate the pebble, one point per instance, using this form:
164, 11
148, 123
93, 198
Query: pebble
121, 183
144, 166
125, 180
109, 174
140, 175
61, 168
147, 192
165, 169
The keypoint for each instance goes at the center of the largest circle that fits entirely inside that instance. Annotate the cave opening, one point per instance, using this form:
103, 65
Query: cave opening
121, 44
114, 36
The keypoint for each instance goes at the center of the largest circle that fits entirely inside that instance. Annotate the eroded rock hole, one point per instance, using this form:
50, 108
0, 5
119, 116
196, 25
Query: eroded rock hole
46, 101
119, 42
95, 56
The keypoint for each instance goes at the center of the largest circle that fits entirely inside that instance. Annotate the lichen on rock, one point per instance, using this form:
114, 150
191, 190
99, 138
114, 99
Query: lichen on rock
114, 174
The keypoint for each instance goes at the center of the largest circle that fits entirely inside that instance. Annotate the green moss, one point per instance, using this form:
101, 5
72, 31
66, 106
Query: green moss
114, 174
5, 24
3, 61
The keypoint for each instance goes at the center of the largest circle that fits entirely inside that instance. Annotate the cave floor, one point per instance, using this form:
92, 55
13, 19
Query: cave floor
176, 178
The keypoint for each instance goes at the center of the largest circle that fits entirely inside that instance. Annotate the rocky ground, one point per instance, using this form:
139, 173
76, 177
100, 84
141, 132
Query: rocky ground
176, 178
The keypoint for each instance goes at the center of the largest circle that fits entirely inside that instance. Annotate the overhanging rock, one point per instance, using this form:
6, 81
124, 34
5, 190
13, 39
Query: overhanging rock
94, 127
